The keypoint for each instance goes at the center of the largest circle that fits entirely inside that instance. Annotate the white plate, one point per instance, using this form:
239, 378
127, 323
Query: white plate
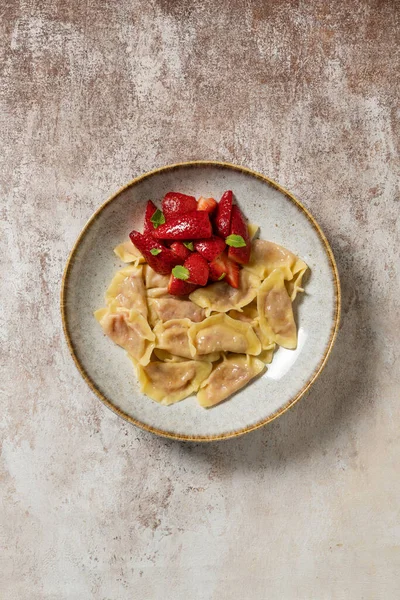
109, 372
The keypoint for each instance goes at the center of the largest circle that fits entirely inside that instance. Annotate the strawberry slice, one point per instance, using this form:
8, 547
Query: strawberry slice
150, 210
174, 204
162, 260
192, 225
180, 250
223, 214
198, 268
179, 287
222, 268
207, 204
210, 248
239, 227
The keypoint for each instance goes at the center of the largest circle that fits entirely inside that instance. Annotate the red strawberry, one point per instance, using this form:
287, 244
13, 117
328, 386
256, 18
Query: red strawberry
239, 227
180, 250
198, 268
210, 248
192, 225
150, 210
164, 261
179, 287
207, 204
223, 214
175, 204
222, 268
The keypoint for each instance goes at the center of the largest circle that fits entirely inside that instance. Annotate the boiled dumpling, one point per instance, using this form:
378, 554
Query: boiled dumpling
267, 256
221, 297
275, 311
127, 290
128, 253
229, 376
129, 329
169, 382
152, 279
173, 337
169, 307
221, 333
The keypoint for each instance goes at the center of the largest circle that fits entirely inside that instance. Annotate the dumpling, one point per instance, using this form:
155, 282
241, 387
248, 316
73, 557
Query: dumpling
221, 333
253, 230
275, 311
249, 315
229, 376
128, 253
267, 256
127, 290
153, 279
129, 329
294, 285
221, 297
169, 307
267, 355
172, 336
169, 382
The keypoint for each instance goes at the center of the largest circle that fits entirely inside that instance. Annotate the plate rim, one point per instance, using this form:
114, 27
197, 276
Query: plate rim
311, 380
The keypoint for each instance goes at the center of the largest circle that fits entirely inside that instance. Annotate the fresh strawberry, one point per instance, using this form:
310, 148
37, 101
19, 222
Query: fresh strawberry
179, 287
192, 225
222, 268
210, 248
198, 268
239, 227
180, 250
223, 215
150, 210
207, 204
175, 204
164, 260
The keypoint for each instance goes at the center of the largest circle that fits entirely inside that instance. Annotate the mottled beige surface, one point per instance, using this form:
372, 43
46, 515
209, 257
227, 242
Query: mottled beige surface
93, 93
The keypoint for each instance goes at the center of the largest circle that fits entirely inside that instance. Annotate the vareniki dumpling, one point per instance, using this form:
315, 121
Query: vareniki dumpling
128, 253
267, 256
275, 311
169, 307
221, 297
234, 372
222, 333
127, 290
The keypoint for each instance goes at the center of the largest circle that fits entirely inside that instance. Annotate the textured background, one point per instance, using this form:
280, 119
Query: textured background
93, 93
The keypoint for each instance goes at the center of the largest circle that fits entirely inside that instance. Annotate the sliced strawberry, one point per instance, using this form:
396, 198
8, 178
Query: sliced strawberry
198, 268
207, 204
239, 227
223, 214
150, 210
210, 248
193, 225
164, 261
179, 287
174, 204
222, 268
180, 250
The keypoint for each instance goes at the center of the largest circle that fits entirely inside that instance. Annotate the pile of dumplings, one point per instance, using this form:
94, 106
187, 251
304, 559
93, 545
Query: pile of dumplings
211, 343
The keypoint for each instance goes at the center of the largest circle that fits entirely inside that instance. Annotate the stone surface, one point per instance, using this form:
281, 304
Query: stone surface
93, 93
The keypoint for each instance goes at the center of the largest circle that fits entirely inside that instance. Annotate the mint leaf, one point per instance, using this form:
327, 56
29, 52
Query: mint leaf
235, 240
222, 276
180, 272
155, 251
189, 245
157, 218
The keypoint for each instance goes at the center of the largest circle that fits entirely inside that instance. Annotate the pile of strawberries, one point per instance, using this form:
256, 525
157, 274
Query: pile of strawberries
194, 242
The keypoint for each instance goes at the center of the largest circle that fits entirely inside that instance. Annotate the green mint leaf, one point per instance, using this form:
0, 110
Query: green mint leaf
157, 218
222, 276
189, 245
155, 251
235, 240
180, 272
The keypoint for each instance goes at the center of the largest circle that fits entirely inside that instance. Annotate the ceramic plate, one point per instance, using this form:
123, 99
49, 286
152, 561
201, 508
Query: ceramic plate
105, 366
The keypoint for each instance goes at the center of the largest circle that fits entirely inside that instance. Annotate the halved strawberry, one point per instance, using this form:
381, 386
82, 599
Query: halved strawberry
207, 204
180, 250
150, 210
198, 268
239, 227
210, 248
223, 214
179, 287
174, 204
222, 268
163, 261
193, 225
